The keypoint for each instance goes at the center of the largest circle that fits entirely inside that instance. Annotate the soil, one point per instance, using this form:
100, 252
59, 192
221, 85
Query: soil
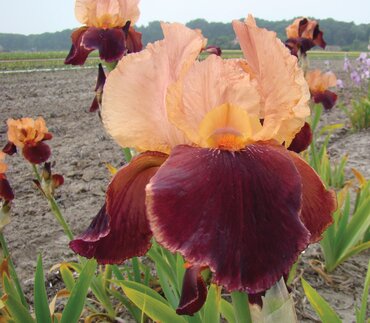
80, 151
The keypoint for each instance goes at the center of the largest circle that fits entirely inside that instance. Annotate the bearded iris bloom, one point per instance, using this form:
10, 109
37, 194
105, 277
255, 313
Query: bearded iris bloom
303, 34
29, 135
108, 28
319, 84
211, 181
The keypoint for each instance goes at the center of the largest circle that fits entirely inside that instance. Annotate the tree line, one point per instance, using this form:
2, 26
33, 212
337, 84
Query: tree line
343, 35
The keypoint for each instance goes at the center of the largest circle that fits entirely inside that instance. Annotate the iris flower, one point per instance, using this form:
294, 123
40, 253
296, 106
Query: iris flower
211, 181
108, 28
303, 34
29, 135
6, 192
319, 84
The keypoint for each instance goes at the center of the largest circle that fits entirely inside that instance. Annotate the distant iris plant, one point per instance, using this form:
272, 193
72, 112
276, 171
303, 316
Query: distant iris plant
213, 180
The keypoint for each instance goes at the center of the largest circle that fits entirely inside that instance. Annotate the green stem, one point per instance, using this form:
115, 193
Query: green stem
108, 275
54, 207
128, 155
241, 307
13, 273
136, 269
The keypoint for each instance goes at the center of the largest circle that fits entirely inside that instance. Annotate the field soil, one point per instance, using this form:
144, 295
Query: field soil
80, 151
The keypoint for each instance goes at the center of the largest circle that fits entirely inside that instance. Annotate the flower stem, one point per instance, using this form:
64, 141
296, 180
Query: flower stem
128, 154
13, 273
54, 207
241, 307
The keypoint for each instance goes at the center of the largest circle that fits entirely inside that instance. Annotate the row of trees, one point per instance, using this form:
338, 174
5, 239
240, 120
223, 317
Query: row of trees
346, 35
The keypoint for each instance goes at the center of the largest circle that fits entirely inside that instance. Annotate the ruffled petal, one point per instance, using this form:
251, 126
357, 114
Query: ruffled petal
302, 139
133, 41
326, 98
284, 91
134, 101
111, 43
36, 154
208, 85
78, 53
235, 212
318, 203
121, 230
194, 292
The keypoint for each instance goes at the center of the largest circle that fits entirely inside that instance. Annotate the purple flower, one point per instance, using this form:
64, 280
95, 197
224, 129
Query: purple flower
347, 65
340, 84
356, 78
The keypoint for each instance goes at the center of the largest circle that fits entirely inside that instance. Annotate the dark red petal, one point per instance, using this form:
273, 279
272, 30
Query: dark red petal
6, 192
318, 203
47, 136
235, 212
213, 50
111, 43
302, 26
318, 37
36, 154
194, 292
100, 82
57, 180
301, 45
94, 105
78, 53
302, 139
327, 98
10, 148
134, 41
121, 229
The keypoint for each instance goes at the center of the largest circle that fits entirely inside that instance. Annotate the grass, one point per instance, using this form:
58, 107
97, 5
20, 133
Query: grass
14, 61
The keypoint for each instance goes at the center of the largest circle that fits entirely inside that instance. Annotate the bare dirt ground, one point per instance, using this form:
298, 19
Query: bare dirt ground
80, 150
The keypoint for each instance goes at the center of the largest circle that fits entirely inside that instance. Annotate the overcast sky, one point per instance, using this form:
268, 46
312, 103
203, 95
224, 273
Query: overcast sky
38, 16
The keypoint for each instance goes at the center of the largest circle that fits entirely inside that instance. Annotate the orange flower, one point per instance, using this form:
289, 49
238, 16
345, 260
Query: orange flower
28, 134
303, 34
107, 28
3, 166
319, 83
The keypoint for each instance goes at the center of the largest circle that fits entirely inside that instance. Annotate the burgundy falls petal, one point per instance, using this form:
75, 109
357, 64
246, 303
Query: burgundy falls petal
194, 292
111, 43
318, 203
121, 230
326, 98
302, 139
236, 212
78, 53
36, 153
6, 192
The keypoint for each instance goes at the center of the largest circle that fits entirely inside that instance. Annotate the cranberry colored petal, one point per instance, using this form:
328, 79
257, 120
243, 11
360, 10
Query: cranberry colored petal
194, 292
6, 192
94, 105
121, 229
302, 139
36, 154
299, 44
47, 136
327, 98
235, 212
111, 43
134, 42
57, 180
318, 37
100, 82
318, 203
78, 53
10, 148
213, 50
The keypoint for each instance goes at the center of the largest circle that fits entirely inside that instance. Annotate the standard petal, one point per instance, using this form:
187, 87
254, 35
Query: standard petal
121, 230
208, 85
281, 82
111, 43
134, 102
236, 212
78, 53
318, 203
194, 292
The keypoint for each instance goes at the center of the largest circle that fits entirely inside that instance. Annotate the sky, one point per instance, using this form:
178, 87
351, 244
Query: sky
38, 16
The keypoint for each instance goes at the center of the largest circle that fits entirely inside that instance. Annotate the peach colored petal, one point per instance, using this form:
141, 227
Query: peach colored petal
134, 101
281, 84
3, 166
208, 85
320, 82
107, 13
292, 30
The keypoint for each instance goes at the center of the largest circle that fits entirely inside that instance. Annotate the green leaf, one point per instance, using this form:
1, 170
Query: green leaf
67, 276
41, 299
98, 288
76, 301
155, 309
361, 314
212, 305
321, 307
17, 311
134, 311
227, 311
241, 307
